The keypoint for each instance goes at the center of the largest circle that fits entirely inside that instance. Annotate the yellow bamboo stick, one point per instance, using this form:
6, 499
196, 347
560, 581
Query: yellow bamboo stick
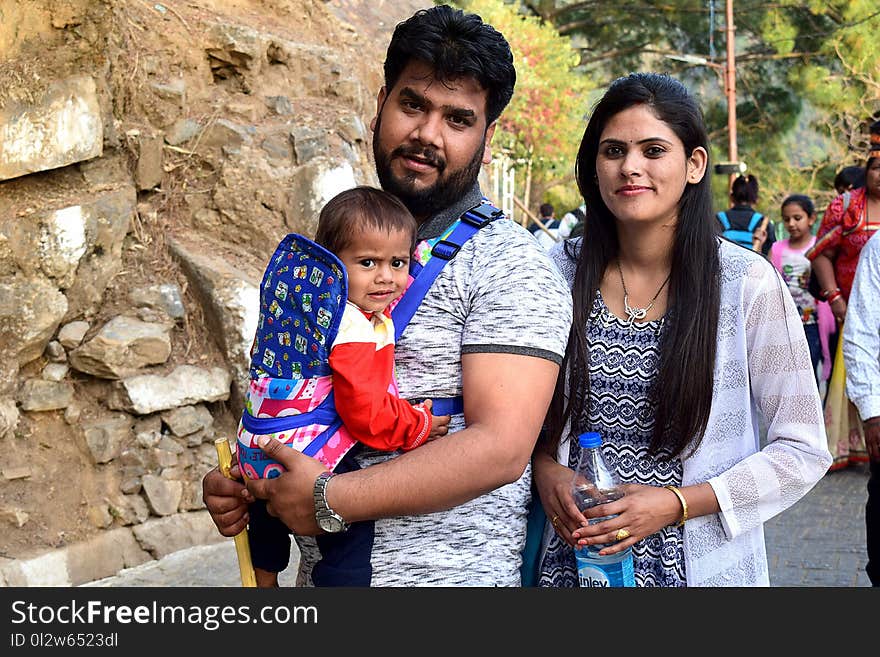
242, 548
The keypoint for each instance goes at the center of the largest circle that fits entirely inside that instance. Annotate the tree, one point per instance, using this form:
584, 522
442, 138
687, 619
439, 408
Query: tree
542, 126
833, 53
808, 78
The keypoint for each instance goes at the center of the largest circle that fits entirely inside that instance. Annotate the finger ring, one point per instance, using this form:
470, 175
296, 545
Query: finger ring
555, 520
621, 535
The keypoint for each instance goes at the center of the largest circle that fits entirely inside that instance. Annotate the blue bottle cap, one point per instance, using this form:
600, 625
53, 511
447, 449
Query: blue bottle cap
590, 439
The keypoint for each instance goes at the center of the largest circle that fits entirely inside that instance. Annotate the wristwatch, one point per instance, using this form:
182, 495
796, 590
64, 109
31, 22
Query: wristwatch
328, 520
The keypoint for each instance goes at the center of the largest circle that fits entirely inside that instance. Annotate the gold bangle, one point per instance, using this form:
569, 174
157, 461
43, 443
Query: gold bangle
684, 504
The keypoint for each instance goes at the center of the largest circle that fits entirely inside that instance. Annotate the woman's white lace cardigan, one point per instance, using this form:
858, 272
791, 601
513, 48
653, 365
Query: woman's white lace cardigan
763, 384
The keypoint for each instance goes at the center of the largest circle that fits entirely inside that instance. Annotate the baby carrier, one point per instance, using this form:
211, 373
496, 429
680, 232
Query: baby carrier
741, 237
302, 297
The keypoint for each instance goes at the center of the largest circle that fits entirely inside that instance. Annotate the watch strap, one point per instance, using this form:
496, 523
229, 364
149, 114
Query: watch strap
328, 520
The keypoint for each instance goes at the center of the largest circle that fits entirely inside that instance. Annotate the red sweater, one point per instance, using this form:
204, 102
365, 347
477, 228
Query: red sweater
365, 392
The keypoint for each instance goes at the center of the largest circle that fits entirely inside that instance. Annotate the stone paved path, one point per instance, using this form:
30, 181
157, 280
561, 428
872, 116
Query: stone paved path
820, 541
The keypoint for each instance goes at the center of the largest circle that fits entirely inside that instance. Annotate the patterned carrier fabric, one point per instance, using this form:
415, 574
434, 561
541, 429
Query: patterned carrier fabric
301, 302
302, 298
422, 253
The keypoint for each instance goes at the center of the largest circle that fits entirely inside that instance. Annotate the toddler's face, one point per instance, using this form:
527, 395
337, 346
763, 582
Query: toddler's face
377, 264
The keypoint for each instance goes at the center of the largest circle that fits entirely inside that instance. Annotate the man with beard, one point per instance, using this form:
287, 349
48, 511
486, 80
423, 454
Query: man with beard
492, 329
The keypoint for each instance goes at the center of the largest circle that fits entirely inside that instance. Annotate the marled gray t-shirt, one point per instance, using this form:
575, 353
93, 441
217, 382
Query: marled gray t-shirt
500, 294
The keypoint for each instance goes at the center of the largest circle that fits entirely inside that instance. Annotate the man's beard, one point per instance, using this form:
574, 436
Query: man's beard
424, 203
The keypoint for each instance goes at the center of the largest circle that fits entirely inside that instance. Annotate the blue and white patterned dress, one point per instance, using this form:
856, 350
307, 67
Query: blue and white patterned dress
624, 359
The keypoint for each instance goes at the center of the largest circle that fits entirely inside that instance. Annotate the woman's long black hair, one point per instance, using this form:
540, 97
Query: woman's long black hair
682, 393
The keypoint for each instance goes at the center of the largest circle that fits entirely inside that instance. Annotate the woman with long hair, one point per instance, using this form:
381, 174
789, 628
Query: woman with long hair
686, 353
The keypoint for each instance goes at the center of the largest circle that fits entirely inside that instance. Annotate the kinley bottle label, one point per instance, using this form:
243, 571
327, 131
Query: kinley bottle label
615, 574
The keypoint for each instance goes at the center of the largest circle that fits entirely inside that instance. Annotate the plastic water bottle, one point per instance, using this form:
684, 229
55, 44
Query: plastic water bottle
595, 483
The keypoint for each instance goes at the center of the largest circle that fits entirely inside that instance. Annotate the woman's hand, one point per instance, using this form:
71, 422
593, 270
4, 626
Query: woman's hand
553, 482
838, 309
643, 511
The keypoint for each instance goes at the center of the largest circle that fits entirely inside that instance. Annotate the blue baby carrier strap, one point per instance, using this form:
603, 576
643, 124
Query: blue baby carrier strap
444, 251
324, 413
743, 237
448, 406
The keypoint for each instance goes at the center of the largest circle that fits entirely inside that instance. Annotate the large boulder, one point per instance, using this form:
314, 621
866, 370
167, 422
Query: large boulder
61, 127
123, 346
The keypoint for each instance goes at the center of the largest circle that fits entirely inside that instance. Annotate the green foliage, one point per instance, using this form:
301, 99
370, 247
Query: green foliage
850, 92
807, 76
545, 120
617, 35
779, 30
807, 81
563, 197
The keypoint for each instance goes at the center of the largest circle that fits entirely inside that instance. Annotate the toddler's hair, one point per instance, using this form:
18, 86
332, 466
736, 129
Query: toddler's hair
362, 208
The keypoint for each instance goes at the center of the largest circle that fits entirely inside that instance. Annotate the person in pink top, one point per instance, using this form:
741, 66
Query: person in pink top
788, 256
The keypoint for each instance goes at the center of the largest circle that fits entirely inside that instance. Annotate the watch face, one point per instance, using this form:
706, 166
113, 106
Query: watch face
330, 524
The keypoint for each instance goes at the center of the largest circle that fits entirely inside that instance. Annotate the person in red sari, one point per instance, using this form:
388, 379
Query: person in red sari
844, 230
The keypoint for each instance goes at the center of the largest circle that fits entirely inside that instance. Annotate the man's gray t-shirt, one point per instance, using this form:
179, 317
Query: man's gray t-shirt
500, 294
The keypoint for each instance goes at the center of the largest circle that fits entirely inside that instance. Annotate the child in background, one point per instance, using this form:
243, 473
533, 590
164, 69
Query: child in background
312, 343
849, 178
742, 218
798, 217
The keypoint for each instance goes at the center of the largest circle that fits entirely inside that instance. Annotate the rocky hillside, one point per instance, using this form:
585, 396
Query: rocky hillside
151, 156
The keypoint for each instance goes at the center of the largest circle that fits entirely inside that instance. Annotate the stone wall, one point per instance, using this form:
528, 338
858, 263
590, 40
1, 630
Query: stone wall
151, 156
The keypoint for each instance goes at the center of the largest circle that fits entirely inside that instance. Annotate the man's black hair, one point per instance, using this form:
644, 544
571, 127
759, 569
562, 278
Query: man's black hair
455, 45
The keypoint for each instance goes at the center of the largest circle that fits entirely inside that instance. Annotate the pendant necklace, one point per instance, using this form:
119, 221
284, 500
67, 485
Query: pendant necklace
637, 314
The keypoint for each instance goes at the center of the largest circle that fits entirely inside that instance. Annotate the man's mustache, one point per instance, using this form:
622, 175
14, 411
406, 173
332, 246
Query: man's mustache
427, 155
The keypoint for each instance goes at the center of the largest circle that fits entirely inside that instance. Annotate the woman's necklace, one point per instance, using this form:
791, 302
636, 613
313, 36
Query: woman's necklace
639, 314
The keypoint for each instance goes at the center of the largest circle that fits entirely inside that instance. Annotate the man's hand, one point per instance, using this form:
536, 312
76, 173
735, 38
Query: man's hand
872, 438
505, 400
289, 497
226, 500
